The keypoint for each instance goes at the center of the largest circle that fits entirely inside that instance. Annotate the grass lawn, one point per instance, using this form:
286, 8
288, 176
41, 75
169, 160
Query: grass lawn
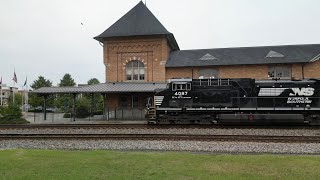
56, 164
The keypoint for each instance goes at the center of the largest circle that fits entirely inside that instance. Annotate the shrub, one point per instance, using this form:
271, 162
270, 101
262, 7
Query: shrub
10, 112
82, 112
67, 115
14, 121
11, 115
98, 112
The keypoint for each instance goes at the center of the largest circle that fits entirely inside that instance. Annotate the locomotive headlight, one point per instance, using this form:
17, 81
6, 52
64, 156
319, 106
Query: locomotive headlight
308, 106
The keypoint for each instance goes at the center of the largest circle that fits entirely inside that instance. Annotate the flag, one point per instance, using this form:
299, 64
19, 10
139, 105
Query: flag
25, 83
1, 80
15, 77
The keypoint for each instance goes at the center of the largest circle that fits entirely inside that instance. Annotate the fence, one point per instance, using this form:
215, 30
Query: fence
110, 114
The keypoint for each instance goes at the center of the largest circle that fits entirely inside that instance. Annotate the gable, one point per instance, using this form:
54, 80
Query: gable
208, 57
274, 54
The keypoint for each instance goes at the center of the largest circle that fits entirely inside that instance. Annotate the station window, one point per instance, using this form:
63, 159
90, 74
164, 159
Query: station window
208, 73
134, 71
181, 87
279, 72
124, 102
135, 101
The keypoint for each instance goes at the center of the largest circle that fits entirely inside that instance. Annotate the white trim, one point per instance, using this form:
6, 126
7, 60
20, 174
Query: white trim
315, 58
168, 109
243, 109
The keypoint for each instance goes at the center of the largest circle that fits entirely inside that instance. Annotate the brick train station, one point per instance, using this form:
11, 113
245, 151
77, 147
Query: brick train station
141, 55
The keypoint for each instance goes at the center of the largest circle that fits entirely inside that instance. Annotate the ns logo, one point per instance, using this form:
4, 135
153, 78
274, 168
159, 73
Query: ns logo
302, 92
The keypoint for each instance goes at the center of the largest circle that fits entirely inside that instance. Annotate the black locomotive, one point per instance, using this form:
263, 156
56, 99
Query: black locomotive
236, 101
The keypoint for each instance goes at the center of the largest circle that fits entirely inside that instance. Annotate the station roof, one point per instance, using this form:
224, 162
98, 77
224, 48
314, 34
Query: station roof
139, 21
245, 55
118, 87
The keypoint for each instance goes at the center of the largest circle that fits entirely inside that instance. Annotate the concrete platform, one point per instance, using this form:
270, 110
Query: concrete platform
57, 118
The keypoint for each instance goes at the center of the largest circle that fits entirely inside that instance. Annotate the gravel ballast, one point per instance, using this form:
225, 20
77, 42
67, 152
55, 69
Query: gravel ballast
193, 131
194, 146
152, 145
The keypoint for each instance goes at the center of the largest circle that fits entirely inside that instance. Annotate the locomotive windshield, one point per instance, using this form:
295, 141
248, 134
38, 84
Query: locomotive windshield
181, 86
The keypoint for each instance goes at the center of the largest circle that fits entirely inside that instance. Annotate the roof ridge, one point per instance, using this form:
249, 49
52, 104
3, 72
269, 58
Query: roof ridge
245, 47
134, 82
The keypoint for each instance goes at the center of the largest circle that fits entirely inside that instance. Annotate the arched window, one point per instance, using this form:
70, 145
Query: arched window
135, 71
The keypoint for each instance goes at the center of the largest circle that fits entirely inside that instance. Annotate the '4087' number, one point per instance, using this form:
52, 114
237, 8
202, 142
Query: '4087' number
181, 93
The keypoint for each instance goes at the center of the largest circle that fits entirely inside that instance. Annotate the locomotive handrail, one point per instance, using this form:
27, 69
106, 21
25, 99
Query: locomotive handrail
219, 82
241, 88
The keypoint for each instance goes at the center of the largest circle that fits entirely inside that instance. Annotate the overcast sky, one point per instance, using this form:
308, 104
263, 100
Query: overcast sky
43, 37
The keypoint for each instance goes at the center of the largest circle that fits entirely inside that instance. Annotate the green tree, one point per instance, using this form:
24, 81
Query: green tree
41, 82
17, 99
36, 100
93, 81
65, 100
96, 100
67, 80
82, 107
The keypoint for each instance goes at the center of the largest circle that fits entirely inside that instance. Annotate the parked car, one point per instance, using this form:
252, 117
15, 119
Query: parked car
48, 109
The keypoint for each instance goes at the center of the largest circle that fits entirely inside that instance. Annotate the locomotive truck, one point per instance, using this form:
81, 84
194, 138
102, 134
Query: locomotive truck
236, 101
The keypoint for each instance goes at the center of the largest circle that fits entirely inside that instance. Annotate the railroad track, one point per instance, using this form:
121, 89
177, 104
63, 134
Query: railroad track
145, 126
171, 137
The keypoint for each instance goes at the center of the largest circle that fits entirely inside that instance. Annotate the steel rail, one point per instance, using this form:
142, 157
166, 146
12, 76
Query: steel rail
147, 126
174, 137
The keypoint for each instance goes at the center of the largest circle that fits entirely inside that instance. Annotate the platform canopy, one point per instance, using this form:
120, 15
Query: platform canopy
117, 87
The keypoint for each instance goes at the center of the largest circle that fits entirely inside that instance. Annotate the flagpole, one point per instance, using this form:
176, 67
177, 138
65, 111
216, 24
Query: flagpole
22, 98
27, 99
24, 94
1, 103
14, 85
1, 94
14, 74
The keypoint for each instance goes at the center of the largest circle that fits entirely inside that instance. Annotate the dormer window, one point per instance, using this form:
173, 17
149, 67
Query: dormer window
274, 54
208, 57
